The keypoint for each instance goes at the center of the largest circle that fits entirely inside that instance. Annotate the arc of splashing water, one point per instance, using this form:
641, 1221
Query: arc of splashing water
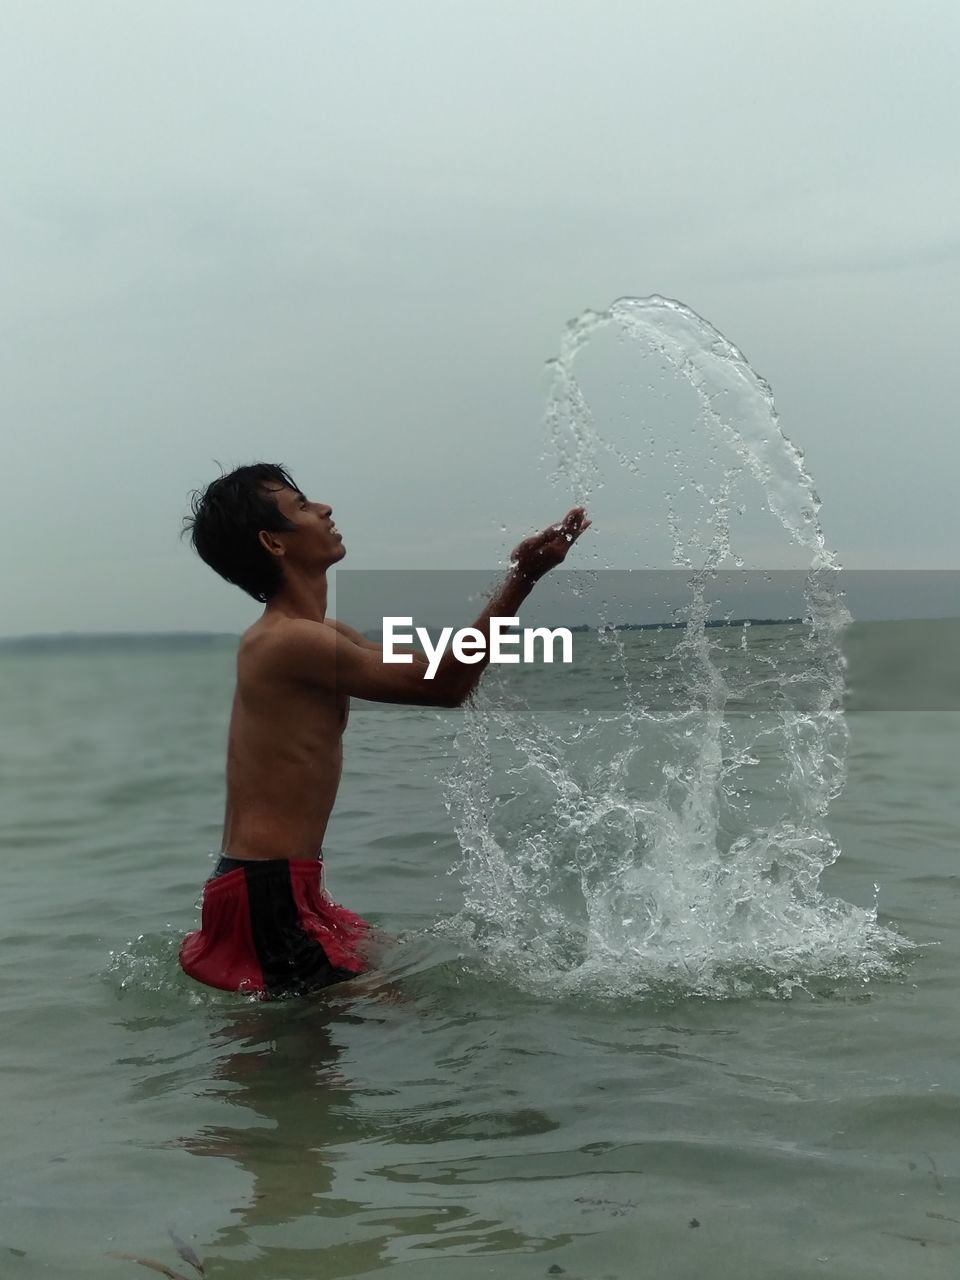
739, 406
736, 404
748, 423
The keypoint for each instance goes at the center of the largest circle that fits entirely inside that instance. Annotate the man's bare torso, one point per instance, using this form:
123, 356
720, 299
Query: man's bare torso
284, 754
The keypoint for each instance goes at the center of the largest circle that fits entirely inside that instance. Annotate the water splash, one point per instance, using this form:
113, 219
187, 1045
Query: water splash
672, 836
148, 966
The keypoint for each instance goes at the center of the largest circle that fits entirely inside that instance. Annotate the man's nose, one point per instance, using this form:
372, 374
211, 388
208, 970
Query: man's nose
326, 511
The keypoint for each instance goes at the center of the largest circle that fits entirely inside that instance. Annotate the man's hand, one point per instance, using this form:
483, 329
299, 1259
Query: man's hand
544, 551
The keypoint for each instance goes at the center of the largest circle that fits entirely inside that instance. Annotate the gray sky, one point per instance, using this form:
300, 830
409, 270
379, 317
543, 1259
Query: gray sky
346, 237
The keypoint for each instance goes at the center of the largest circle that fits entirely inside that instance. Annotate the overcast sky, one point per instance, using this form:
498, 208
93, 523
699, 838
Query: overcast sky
346, 236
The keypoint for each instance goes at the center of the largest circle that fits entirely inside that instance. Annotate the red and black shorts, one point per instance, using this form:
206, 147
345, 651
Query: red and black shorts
268, 927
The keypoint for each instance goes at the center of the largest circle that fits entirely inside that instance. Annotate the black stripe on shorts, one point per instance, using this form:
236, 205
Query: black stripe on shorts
291, 960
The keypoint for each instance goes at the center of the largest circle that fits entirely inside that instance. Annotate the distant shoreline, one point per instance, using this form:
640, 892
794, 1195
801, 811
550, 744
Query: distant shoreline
93, 640
191, 639
116, 639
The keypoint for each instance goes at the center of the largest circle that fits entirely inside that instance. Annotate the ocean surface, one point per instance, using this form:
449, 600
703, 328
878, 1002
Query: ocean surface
589, 1067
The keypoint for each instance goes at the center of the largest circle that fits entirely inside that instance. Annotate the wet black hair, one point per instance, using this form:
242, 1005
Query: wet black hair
226, 519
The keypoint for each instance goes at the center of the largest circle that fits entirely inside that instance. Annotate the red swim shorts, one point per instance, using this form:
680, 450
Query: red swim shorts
268, 927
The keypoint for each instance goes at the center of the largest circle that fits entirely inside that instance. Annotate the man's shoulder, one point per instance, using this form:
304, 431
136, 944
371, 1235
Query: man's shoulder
351, 633
283, 637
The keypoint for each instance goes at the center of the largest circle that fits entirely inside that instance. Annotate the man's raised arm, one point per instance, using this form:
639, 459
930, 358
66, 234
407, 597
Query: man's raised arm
344, 661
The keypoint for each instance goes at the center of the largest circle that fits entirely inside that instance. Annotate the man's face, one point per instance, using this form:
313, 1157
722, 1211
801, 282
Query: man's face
317, 538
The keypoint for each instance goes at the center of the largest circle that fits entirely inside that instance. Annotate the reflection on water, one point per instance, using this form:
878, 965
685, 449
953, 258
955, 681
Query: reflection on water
287, 1104
295, 1122
464, 1127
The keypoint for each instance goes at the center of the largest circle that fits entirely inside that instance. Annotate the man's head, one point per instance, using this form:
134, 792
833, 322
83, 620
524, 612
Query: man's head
249, 524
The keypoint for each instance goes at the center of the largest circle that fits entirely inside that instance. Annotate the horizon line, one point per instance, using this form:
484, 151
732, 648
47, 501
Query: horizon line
580, 627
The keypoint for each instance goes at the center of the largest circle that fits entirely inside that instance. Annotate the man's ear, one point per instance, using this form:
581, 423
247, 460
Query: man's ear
270, 542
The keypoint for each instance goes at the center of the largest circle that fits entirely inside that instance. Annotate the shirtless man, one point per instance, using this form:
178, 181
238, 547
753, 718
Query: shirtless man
268, 926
